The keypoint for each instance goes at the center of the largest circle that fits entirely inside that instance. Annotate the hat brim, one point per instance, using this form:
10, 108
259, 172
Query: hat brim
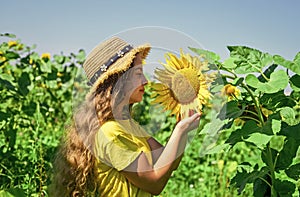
121, 65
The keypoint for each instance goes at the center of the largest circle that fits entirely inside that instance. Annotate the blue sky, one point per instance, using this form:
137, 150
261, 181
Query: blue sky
69, 25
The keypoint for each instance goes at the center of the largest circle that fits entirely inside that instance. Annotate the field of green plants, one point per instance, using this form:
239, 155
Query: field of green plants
246, 145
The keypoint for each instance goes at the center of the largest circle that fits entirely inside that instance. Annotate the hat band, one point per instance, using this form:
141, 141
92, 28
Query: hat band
105, 66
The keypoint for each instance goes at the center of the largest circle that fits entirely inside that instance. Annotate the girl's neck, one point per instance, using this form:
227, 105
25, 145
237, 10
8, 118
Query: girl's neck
122, 112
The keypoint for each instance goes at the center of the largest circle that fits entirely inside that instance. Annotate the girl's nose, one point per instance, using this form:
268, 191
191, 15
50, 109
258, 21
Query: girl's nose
144, 81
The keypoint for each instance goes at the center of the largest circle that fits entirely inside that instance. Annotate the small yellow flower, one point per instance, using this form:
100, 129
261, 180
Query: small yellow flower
12, 43
2, 59
46, 56
221, 164
59, 84
59, 74
30, 61
230, 91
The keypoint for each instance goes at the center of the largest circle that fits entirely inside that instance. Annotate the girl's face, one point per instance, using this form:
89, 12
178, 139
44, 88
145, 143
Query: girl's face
136, 82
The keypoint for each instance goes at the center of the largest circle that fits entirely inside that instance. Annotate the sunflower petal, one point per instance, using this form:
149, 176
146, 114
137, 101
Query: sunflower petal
159, 86
174, 61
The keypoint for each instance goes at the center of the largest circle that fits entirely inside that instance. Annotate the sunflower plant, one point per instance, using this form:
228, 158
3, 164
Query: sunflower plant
257, 100
262, 111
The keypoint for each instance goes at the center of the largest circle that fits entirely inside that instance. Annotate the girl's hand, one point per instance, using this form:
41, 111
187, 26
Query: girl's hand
190, 123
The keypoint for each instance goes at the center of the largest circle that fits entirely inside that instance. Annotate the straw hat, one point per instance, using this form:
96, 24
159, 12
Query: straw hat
109, 57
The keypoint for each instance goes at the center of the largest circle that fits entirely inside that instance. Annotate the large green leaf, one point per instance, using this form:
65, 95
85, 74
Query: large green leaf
211, 57
11, 55
289, 150
231, 110
240, 134
278, 81
259, 139
276, 100
290, 131
267, 73
229, 63
293, 171
295, 83
261, 188
292, 65
268, 156
277, 142
24, 82
12, 192
248, 59
284, 188
8, 35
288, 115
242, 178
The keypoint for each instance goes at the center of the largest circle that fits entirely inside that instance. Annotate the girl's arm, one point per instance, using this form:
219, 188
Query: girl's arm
153, 178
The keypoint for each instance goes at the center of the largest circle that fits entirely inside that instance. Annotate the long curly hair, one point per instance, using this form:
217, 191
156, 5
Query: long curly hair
74, 166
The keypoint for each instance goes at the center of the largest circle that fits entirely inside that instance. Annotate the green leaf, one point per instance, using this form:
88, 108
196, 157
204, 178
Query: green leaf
213, 126
230, 110
46, 67
249, 60
287, 154
292, 143
59, 59
216, 149
278, 81
7, 84
4, 115
276, 100
293, 171
268, 156
277, 142
292, 65
11, 55
276, 125
267, 73
295, 83
229, 63
211, 57
242, 178
12, 192
259, 139
240, 134
260, 187
284, 188
23, 82
290, 131
8, 35
288, 115
81, 56
237, 81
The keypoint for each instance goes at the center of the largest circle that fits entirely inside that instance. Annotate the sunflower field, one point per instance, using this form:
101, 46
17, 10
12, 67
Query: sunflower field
246, 145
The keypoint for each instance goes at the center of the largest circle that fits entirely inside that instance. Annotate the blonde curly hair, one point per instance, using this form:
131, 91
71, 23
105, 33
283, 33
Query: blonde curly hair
75, 172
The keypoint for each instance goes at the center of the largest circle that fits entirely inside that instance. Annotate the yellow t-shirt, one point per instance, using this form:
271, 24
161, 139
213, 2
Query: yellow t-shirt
118, 143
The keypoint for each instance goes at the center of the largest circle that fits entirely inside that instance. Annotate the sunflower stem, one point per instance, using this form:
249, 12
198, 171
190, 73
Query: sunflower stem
250, 118
256, 103
251, 112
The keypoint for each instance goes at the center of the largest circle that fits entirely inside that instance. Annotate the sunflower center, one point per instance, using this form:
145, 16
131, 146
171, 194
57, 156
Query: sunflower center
185, 85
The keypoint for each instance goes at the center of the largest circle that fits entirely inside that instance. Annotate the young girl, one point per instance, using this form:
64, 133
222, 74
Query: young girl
105, 152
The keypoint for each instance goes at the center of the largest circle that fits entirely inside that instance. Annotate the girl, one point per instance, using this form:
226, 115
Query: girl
105, 152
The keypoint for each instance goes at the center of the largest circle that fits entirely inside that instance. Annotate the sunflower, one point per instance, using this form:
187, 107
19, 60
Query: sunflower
183, 84
232, 92
45, 56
